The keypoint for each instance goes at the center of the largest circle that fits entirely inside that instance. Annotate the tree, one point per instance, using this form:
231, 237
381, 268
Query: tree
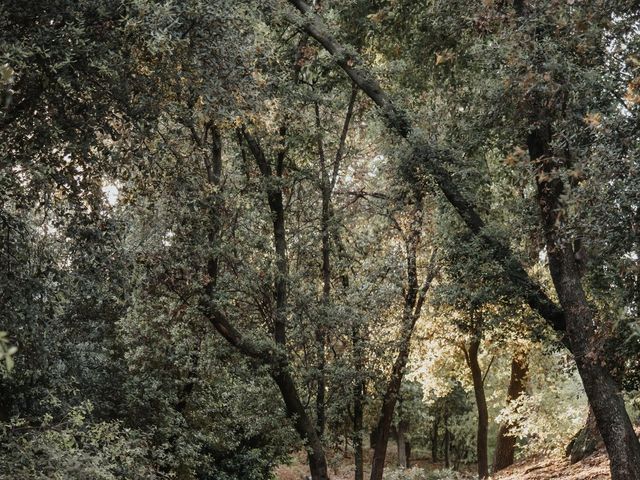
599, 384
506, 442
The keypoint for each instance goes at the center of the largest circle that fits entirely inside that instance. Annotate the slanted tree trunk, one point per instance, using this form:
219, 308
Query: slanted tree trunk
471, 357
506, 442
600, 386
303, 424
294, 407
386, 414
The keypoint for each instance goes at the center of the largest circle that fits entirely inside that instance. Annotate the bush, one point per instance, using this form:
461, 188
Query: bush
74, 448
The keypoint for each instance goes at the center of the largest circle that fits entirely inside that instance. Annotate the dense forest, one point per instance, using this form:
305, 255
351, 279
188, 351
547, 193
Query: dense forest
287, 239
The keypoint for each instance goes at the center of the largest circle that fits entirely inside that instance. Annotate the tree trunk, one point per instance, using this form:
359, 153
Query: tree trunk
447, 441
358, 403
585, 441
386, 414
402, 445
600, 386
481, 404
506, 443
327, 185
358, 393
358, 384
434, 439
320, 333
303, 424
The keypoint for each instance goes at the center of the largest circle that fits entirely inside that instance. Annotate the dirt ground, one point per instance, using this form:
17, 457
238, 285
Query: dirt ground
594, 467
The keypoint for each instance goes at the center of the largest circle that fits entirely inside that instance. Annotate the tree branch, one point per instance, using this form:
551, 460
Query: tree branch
429, 159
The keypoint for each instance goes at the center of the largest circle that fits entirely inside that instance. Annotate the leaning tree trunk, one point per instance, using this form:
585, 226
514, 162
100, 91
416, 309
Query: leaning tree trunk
506, 442
481, 403
386, 414
600, 386
303, 424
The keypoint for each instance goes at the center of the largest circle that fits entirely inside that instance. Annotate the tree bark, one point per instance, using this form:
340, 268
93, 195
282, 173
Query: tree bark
481, 404
600, 386
359, 384
386, 414
320, 333
585, 441
358, 393
506, 442
402, 444
219, 320
303, 424
358, 405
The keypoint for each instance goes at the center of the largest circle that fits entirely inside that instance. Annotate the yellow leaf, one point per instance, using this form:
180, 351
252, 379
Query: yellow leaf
378, 16
443, 57
6, 74
593, 119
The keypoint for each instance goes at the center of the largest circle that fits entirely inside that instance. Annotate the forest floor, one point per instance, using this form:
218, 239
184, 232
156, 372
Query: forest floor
594, 467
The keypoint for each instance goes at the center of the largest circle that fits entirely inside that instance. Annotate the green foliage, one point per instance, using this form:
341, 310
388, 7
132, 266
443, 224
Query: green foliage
74, 447
7, 351
111, 367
